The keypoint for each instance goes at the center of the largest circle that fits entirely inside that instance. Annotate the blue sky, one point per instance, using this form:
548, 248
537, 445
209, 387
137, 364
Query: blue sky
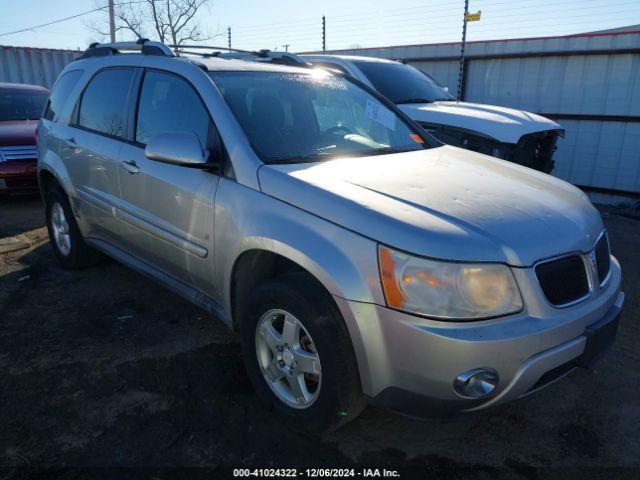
275, 23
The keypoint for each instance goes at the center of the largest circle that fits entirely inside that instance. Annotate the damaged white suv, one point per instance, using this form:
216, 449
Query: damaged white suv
514, 135
360, 259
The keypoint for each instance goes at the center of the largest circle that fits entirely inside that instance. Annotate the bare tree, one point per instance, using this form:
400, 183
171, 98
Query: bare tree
170, 21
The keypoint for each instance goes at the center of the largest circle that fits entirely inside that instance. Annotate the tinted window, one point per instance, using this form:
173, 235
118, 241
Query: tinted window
21, 104
169, 104
311, 117
103, 102
402, 83
60, 94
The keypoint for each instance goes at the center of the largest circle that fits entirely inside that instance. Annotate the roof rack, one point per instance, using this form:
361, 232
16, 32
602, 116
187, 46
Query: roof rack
142, 45
281, 58
148, 47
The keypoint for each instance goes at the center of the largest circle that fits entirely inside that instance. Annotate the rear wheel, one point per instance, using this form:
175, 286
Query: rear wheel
299, 355
64, 234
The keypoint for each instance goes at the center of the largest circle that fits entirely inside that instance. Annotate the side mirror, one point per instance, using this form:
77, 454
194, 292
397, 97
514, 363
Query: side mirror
178, 148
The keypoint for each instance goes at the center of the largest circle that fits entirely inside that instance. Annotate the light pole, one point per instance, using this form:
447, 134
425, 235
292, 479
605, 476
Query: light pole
112, 22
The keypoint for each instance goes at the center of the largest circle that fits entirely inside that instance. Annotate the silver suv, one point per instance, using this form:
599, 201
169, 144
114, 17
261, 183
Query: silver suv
360, 259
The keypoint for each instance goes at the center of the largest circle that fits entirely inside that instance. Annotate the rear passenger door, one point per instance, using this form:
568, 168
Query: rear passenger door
170, 207
90, 147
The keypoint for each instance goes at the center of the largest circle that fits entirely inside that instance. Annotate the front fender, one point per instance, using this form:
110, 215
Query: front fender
344, 262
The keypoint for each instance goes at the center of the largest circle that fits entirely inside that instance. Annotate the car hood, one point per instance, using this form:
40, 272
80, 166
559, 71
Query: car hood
501, 123
443, 203
18, 132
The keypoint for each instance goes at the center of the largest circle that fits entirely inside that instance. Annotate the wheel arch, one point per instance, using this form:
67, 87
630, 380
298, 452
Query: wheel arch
257, 265
47, 179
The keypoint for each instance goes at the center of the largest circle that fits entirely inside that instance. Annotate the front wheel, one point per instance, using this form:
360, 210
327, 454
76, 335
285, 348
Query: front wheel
299, 355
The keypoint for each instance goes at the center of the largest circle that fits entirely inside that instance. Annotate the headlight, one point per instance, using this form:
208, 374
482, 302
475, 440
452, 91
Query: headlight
447, 290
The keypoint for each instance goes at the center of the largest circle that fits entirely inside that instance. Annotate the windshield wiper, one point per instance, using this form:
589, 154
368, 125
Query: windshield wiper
301, 158
414, 100
385, 151
324, 155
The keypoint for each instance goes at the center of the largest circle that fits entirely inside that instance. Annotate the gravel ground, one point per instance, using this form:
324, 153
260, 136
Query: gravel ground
104, 368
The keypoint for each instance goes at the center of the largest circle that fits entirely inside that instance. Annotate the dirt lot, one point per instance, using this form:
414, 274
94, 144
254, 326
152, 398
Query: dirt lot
104, 368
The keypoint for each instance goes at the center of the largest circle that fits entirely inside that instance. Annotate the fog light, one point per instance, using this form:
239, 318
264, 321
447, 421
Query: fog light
476, 383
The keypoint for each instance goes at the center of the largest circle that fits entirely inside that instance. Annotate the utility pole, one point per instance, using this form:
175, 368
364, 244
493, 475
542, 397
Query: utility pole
286, 47
229, 37
324, 34
112, 22
464, 39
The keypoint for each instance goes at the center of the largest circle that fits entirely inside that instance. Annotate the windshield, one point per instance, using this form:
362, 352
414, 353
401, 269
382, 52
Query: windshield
402, 83
299, 117
21, 105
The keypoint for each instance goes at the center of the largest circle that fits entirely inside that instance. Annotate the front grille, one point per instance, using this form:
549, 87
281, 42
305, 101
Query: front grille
18, 152
563, 280
603, 258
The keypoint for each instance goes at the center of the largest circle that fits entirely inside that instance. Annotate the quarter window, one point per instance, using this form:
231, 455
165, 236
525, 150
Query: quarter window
169, 104
102, 108
60, 94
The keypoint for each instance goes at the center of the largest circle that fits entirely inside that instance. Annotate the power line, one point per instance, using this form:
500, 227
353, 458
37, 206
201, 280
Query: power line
53, 22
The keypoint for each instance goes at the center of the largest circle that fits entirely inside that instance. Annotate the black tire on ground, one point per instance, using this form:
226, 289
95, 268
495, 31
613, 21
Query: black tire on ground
340, 398
80, 255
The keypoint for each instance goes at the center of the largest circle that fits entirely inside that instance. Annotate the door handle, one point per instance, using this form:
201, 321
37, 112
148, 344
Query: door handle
71, 142
131, 166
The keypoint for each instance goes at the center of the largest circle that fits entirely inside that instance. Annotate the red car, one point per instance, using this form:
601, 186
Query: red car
20, 108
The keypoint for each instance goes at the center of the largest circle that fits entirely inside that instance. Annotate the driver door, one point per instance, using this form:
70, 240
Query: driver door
170, 208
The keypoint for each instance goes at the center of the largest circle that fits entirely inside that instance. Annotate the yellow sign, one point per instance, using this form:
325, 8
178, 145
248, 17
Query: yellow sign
474, 17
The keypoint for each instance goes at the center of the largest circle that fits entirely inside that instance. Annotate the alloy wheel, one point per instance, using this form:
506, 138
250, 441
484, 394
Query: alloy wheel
288, 359
60, 228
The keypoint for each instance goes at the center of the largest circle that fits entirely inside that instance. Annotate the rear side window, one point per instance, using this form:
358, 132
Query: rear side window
102, 107
170, 104
60, 94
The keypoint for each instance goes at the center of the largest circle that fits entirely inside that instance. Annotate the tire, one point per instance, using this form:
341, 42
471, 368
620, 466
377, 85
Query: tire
338, 397
78, 254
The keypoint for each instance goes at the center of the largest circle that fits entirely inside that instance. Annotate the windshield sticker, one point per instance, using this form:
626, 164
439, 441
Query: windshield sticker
378, 113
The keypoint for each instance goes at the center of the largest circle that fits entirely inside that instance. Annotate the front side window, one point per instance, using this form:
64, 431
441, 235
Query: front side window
60, 94
169, 103
102, 107
293, 117
402, 83
21, 104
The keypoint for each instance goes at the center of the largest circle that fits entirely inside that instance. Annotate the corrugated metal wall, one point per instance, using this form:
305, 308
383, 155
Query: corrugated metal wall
36, 66
568, 77
589, 83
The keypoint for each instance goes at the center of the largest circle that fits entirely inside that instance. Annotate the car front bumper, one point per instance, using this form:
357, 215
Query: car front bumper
408, 363
18, 176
